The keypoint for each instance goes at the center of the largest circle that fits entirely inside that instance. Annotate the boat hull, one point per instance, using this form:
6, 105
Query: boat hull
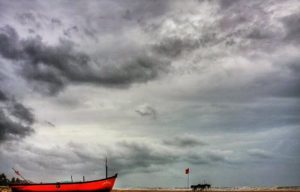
104, 185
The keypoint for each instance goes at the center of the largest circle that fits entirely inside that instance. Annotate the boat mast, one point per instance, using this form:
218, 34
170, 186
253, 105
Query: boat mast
19, 174
106, 167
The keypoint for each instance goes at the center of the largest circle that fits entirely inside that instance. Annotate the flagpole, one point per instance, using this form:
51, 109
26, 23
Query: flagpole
187, 172
188, 180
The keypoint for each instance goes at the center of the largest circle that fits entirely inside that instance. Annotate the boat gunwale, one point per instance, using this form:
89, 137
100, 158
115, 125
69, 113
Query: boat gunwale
63, 183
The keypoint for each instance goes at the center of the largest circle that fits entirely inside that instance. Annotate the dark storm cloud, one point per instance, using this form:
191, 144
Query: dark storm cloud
9, 44
139, 69
3, 96
23, 113
52, 67
292, 27
15, 119
173, 47
184, 141
18, 128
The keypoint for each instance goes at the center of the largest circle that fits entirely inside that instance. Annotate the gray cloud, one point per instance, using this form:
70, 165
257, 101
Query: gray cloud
50, 124
124, 158
291, 23
232, 28
70, 30
27, 18
51, 68
3, 97
231, 68
185, 141
238, 26
140, 157
244, 117
15, 121
9, 45
224, 4
207, 157
285, 85
173, 47
23, 113
146, 110
259, 153
35, 21
128, 158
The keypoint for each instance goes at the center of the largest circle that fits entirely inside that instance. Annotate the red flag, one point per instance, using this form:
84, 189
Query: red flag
187, 171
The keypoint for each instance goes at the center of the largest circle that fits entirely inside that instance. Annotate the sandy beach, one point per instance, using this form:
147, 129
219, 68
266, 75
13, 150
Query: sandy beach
240, 189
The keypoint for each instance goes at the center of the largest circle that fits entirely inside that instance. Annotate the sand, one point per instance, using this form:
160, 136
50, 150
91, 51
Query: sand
242, 189
4, 189
234, 189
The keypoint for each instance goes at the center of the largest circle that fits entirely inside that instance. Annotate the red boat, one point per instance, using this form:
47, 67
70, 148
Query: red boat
103, 185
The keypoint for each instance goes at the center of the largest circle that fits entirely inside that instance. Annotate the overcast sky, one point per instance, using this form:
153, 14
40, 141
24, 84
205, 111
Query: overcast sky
156, 86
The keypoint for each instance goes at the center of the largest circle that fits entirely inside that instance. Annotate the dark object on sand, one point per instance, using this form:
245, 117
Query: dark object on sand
201, 187
103, 185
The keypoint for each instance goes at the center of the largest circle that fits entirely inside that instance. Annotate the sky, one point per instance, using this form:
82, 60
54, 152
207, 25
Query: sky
154, 86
